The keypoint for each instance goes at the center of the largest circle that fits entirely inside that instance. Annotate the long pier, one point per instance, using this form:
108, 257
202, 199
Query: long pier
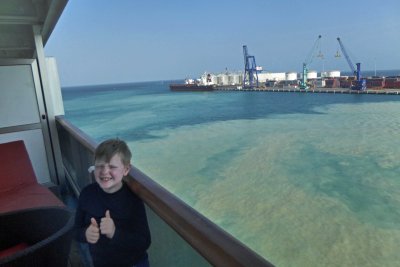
312, 90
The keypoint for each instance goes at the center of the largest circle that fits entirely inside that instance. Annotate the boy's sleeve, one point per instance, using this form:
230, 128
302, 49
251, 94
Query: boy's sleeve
80, 227
137, 235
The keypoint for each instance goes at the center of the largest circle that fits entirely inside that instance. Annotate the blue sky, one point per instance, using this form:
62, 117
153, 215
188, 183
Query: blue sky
102, 42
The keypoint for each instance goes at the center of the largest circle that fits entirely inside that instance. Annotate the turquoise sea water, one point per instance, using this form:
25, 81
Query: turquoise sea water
303, 179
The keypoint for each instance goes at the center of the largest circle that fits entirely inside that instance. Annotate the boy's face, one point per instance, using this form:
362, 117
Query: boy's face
109, 174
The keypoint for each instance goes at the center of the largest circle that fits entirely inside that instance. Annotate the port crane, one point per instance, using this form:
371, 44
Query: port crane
250, 70
360, 84
307, 62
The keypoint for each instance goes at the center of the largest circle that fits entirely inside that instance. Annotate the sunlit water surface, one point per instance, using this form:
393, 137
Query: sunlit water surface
303, 179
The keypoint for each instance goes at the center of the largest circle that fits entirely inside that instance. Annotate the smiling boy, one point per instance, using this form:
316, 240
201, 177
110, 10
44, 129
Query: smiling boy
109, 216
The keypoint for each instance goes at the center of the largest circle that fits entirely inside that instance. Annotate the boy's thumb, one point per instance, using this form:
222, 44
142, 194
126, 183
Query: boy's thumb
108, 214
93, 222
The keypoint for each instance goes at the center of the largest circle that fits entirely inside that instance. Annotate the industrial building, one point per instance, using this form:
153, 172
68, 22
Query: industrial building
264, 78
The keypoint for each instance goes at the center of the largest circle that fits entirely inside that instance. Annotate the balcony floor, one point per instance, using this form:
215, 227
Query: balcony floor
75, 259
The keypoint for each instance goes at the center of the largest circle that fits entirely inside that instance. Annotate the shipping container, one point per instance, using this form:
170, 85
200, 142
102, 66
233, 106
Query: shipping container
392, 84
375, 83
345, 84
332, 83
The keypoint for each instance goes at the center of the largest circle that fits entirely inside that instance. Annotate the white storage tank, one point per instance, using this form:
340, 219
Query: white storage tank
312, 74
276, 76
262, 77
291, 76
240, 78
225, 79
234, 79
333, 73
219, 79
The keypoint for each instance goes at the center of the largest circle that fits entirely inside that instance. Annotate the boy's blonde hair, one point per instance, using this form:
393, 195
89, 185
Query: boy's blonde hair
108, 148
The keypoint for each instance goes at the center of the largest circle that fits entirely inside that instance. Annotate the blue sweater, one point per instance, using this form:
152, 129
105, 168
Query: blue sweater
132, 236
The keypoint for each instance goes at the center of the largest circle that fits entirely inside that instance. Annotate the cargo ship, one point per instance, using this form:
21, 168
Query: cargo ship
191, 85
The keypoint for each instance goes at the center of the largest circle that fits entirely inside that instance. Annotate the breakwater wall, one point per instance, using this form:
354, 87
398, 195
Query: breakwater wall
313, 90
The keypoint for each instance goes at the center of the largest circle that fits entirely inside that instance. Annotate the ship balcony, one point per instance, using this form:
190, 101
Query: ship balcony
181, 236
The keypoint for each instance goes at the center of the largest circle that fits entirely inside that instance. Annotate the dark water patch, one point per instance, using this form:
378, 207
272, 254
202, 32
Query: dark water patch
217, 162
171, 109
352, 180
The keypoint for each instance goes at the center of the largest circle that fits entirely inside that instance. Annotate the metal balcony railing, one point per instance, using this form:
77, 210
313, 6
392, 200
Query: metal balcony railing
181, 236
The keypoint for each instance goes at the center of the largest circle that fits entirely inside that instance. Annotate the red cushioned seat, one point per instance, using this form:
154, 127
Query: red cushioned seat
26, 197
15, 165
18, 184
13, 249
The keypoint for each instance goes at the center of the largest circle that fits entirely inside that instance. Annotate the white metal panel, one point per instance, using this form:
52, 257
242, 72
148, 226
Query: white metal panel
27, 70
55, 87
18, 104
34, 143
48, 125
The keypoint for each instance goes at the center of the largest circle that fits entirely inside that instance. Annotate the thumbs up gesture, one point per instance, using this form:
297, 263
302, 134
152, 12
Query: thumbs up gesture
107, 226
92, 232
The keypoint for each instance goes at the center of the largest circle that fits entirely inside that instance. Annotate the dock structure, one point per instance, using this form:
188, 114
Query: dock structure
313, 90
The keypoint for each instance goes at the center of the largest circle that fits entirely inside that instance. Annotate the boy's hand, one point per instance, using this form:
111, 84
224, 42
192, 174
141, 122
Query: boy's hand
92, 232
107, 226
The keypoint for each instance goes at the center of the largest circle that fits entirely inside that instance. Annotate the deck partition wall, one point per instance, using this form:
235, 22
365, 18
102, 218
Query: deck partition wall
23, 114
